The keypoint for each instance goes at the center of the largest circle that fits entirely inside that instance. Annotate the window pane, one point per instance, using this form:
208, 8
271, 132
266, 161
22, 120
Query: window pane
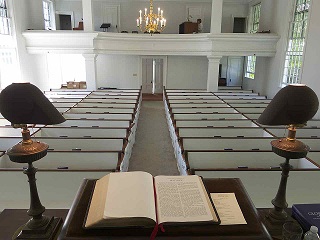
253, 28
4, 18
47, 10
296, 43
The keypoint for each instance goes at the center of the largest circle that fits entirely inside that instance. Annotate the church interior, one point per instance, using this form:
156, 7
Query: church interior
183, 94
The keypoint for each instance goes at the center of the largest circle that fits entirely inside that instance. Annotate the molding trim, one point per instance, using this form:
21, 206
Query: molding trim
216, 45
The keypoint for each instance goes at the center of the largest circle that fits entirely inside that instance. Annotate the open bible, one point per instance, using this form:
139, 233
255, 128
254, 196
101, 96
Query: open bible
138, 199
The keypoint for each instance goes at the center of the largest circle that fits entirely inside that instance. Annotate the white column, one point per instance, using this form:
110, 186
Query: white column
87, 15
91, 71
213, 73
216, 16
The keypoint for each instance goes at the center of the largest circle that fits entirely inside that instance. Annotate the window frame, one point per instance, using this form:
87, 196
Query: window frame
48, 14
296, 43
5, 20
255, 14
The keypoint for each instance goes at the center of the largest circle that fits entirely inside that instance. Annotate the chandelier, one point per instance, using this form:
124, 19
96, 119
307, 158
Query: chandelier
151, 22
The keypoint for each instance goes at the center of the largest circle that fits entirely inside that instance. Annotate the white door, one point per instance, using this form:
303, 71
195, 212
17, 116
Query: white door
111, 16
158, 75
235, 71
147, 75
152, 75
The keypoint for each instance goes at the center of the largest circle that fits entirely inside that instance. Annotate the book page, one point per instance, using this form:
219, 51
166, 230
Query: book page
130, 194
181, 199
228, 208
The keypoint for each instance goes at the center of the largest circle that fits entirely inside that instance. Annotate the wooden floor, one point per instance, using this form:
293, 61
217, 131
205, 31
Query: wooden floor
152, 97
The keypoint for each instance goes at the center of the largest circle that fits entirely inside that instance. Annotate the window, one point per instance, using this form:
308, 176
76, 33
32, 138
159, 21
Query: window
47, 14
251, 67
296, 43
253, 28
255, 18
5, 28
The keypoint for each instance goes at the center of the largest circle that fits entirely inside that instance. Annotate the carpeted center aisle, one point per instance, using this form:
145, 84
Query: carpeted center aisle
153, 151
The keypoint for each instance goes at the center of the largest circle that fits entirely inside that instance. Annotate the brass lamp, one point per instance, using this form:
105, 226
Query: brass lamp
22, 104
293, 106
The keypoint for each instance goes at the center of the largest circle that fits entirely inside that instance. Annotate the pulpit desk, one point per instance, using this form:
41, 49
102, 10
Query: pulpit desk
254, 230
188, 27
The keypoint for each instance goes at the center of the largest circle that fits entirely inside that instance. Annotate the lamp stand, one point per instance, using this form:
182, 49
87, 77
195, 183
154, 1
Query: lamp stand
289, 148
278, 213
39, 226
275, 218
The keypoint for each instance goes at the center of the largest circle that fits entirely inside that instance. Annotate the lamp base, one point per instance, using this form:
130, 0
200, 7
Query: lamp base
47, 232
273, 226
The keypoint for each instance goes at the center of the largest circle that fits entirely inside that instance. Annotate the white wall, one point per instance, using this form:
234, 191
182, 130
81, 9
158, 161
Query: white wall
269, 70
230, 10
174, 11
187, 72
123, 71
120, 71
72, 6
28, 14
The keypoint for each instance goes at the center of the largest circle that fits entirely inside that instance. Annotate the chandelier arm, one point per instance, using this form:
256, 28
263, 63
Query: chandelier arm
153, 23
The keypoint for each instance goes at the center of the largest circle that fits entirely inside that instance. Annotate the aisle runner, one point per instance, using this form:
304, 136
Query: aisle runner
153, 151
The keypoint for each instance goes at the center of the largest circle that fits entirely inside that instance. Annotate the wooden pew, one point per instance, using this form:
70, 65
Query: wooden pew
99, 116
216, 123
83, 132
247, 101
213, 110
8, 131
71, 160
105, 105
198, 159
235, 132
94, 122
207, 116
56, 188
100, 110
298, 188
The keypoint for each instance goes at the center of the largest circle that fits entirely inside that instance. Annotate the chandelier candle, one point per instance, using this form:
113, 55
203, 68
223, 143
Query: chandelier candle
153, 23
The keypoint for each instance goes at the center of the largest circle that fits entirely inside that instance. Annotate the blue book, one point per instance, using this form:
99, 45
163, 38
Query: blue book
307, 215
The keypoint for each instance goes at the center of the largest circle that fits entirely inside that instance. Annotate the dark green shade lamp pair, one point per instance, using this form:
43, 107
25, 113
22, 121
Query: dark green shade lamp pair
23, 104
293, 106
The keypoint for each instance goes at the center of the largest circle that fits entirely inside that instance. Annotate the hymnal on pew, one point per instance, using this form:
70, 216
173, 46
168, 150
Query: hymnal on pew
139, 199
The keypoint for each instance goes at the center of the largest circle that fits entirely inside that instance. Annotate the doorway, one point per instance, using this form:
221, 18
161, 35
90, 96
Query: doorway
152, 74
65, 22
239, 24
234, 71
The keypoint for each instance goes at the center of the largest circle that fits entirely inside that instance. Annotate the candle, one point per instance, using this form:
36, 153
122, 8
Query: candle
161, 22
140, 13
145, 11
162, 13
158, 11
140, 20
164, 22
147, 21
157, 21
137, 22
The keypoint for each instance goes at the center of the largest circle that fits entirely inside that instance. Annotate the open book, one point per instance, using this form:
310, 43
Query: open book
139, 199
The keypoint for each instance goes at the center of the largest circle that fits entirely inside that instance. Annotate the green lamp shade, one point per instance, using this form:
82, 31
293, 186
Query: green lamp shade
293, 104
24, 103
